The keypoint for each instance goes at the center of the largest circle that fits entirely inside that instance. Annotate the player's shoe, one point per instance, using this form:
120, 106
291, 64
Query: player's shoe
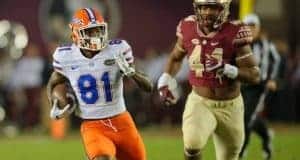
267, 147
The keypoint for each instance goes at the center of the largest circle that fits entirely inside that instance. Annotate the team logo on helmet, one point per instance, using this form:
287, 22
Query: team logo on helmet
54, 21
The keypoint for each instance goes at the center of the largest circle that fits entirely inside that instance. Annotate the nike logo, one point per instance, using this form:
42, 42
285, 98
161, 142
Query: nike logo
74, 67
214, 43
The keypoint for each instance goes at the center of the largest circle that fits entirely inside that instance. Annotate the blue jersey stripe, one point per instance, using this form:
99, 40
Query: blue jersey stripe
64, 49
55, 61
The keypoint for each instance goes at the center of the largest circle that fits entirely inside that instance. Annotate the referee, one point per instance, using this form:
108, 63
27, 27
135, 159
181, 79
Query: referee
268, 60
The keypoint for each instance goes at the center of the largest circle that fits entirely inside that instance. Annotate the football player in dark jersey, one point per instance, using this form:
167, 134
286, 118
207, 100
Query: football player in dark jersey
220, 58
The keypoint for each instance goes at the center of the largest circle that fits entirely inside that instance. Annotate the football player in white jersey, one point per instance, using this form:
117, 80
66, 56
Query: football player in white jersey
95, 67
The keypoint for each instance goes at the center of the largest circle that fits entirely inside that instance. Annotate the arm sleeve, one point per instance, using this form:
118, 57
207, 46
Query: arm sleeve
276, 58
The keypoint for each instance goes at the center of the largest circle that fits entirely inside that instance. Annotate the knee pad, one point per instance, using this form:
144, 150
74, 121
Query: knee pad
192, 152
191, 142
103, 158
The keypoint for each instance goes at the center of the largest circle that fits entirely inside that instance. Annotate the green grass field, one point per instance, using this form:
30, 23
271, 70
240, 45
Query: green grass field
162, 143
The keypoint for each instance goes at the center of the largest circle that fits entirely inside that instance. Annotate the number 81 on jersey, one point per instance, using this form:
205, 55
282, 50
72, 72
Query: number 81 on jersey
88, 89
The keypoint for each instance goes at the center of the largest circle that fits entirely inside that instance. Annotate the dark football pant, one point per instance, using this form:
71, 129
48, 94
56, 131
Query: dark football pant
251, 95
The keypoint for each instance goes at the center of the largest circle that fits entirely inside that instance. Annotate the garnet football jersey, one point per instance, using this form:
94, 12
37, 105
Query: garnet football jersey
217, 47
97, 82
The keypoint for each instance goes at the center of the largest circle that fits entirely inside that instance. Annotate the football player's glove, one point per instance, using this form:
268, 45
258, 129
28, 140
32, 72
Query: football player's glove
126, 69
230, 71
167, 87
57, 113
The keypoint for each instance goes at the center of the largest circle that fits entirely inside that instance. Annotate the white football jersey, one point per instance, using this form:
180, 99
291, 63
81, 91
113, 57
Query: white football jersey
97, 81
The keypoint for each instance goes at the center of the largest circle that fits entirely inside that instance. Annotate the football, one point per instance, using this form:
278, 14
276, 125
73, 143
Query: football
60, 92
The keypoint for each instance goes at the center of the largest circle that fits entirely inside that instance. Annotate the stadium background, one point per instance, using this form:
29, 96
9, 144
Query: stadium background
149, 26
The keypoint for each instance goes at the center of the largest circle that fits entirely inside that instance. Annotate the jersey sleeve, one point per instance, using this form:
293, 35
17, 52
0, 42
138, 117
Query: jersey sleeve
185, 28
183, 24
243, 36
59, 61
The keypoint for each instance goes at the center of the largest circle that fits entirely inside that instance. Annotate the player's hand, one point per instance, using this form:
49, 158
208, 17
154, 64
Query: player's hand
167, 87
169, 97
271, 85
124, 65
221, 69
57, 113
212, 64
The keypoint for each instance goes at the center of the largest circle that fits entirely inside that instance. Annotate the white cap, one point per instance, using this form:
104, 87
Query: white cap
251, 19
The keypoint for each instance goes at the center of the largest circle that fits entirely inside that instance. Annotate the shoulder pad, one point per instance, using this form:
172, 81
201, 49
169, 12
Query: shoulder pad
191, 18
243, 36
237, 22
64, 47
57, 55
188, 19
120, 43
121, 46
116, 42
178, 30
62, 53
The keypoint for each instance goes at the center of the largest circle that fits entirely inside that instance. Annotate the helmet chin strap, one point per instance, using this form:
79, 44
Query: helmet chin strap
208, 28
218, 22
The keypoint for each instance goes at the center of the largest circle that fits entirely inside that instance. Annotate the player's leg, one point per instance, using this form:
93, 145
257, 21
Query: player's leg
246, 140
197, 125
247, 128
129, 143
250, 98
229, 134
260, 127
97, 145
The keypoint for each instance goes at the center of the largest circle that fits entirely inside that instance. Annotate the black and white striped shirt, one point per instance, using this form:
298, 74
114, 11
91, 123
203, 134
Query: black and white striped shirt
267, 57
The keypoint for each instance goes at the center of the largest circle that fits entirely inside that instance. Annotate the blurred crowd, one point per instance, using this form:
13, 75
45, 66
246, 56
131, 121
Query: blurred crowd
23, 95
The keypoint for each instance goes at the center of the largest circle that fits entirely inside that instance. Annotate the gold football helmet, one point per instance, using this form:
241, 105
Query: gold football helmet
222, 17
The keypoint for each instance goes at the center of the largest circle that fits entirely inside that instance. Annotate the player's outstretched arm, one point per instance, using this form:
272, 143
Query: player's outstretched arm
142, 81
55, 79
128, 69
167, 84
175, 59
248, 70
